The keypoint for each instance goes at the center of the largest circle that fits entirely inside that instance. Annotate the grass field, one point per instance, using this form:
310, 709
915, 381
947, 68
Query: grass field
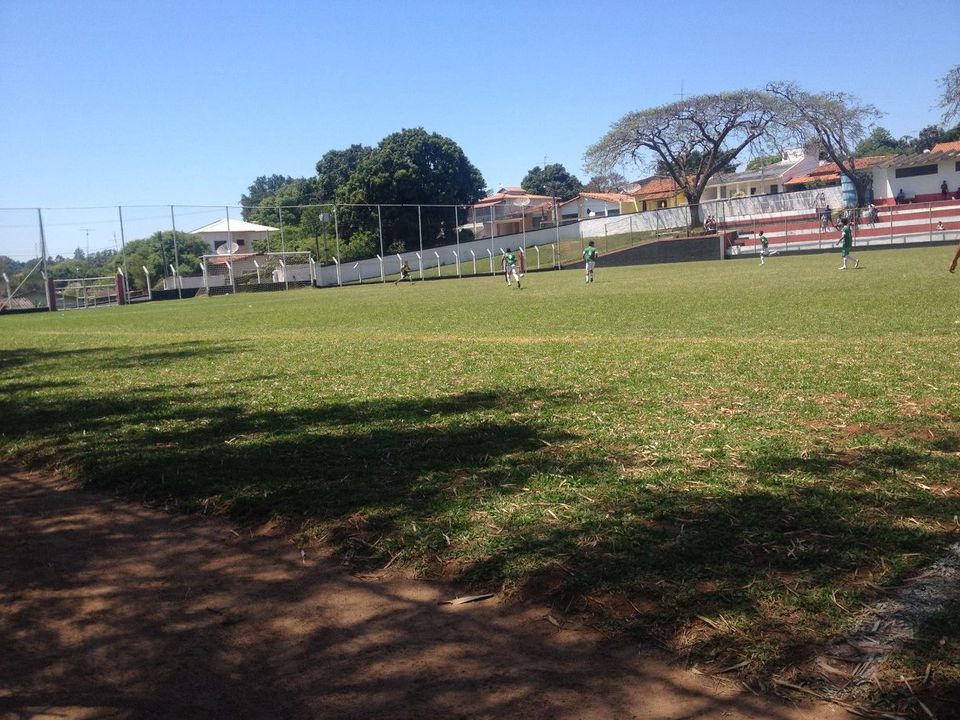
734, 461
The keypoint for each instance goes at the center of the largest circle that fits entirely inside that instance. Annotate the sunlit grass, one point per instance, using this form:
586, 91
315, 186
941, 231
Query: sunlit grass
761, 447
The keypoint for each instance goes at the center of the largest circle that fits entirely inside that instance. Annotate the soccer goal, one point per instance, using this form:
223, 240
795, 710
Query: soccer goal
249, 272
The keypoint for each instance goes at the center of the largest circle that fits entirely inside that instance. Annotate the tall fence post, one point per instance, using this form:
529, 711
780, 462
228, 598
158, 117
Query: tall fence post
336, 261
9, 292
150, 287
383, 277
176, 256
474, 261
121, 283
490, 253
420, 264
439, 271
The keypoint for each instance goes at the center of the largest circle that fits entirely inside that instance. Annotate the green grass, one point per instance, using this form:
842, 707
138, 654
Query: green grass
750, 445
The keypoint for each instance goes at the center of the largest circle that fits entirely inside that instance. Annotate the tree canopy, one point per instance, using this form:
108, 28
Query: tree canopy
335, 168
611, 181
262, 188
838, 121
553, 180
694, 138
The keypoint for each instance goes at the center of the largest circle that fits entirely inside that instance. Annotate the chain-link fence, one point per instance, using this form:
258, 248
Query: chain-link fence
159, 249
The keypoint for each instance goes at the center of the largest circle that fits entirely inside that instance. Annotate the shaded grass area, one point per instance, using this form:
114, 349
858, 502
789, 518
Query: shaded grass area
725, 459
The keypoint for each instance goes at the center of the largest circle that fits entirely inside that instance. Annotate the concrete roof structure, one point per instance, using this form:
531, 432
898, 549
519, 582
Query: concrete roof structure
233, 226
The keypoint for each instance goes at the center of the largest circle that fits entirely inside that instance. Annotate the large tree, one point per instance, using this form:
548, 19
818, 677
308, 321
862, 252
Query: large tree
410, 167
553, 180
335, 168
838, 121
261, 188
878, 142
950, 96
694, 138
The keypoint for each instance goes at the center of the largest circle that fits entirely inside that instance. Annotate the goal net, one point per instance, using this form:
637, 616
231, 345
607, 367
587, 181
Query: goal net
257, 271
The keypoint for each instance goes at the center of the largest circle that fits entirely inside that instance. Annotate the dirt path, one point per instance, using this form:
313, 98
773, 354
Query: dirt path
112, 610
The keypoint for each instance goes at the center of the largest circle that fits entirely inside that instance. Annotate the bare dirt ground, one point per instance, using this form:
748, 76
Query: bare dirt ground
112, 610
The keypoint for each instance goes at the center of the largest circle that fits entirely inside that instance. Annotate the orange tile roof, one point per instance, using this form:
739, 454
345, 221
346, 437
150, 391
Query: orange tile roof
947, 146
508, 196
608, 196
831, 171
657, 188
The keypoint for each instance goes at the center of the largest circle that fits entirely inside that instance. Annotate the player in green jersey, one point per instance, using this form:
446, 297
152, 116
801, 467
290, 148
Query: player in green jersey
956, 258
589, 260
510, 267
846, 242
765, 252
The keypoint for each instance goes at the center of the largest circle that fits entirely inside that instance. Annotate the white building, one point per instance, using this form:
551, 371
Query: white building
767, 180
235, 235
920, 176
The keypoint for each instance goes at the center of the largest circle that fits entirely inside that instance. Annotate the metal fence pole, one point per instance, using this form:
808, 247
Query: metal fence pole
176, 256
380, 228
48, 286
419, 227
123, 244
336, 237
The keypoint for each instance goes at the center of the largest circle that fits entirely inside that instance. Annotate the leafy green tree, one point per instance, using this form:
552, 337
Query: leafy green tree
928, 137
410, 167
762, 161
553, 180
261, 188
361, 245
878, 142
288, 200
694, 138
335, 168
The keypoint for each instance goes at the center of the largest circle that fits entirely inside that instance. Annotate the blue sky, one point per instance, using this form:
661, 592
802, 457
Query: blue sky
110, 103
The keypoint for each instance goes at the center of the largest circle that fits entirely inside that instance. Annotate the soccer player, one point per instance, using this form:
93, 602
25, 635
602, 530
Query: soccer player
404, 273
510, 267
589, 260
846, 242
953, 264
764, 245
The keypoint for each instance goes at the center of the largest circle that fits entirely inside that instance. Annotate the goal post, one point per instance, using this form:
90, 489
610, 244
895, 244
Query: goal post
237, 272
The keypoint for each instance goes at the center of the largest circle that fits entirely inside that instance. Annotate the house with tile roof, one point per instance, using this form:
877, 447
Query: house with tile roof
828, 174
588, 205
766, 180
919, 175
656, 193
510, 210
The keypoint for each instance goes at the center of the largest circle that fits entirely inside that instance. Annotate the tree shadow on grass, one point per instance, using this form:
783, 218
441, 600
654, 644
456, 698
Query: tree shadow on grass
764, 558
117, 611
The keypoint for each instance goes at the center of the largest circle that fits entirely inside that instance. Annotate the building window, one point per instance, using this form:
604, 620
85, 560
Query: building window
241, 242
753, 191
917, 170
661, 204
774, 190
957, 166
